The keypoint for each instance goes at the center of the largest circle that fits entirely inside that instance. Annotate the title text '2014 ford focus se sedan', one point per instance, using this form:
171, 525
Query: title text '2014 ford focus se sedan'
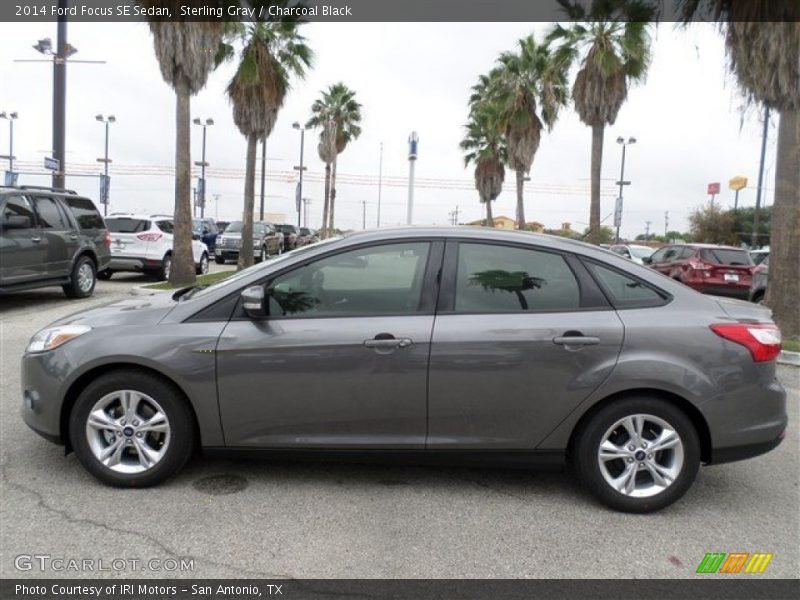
432, 344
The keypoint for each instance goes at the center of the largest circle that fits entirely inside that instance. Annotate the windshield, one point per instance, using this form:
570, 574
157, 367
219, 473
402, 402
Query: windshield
197, 225
641, 251
234, 279
234, 227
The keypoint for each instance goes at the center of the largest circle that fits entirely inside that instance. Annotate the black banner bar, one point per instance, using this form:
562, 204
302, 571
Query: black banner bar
747, 587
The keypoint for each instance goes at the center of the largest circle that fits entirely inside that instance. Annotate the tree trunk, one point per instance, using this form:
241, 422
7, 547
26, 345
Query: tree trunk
520, 203
783, 285
489, 217
331, 227
182, 271
597, 163
326, 205
246, 249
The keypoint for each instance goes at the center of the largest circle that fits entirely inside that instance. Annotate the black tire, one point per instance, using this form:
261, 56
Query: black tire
584, 453
77, 286
758, 297
105, 275
163, 271
219, 260
171, 401
199, 269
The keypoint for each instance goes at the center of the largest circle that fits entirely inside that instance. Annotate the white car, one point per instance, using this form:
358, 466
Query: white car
143, 243
633, 252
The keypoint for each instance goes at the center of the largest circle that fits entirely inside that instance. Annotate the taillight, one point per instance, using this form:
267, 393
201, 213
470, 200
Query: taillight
762, 340
703, 269
106, 239
148, 237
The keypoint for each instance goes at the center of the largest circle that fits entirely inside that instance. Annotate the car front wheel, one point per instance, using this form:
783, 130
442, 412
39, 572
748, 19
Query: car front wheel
131, 429
202, 268
82, 280
638, 455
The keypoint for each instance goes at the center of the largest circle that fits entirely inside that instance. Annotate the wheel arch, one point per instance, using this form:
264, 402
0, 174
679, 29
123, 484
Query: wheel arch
77, 386
689, 409
85, 252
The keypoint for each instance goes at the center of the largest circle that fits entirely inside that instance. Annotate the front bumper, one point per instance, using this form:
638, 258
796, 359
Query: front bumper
42, 395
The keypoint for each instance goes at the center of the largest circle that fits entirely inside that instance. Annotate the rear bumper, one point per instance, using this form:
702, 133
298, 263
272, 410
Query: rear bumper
734, 453
133, 263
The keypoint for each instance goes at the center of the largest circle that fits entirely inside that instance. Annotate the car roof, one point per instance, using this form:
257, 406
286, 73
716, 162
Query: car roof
139, 216
709, 246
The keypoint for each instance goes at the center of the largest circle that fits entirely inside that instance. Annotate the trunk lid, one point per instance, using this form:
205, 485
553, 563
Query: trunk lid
745, 312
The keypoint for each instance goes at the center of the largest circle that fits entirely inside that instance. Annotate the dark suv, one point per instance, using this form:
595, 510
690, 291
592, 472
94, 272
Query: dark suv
50, 237
291, 236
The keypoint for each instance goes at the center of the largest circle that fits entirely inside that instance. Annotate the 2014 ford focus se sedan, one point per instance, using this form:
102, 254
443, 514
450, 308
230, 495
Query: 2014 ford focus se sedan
438, 344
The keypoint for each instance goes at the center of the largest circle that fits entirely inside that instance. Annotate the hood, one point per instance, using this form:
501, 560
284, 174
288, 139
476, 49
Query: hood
745, 312
140, 311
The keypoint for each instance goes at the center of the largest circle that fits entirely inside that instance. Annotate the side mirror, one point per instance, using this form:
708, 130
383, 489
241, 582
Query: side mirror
647, 260
16, 222
254, 302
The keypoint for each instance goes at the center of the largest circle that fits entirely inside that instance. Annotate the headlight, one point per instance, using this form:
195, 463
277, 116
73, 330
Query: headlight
53, 337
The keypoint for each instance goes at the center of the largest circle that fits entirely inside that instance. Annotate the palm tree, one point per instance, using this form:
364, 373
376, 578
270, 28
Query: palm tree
185, 51
611, 43
762, 40
485, 146
272, 52
327, 154
337, 111
523, 83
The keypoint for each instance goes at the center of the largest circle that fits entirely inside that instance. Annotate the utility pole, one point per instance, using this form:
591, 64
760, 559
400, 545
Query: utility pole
647, 231
363, 214
754, 236
216, 207
621, 183
10, 177
263, 176
380, 183
413, 141
201, 185
666, 224
306, 202
60, 97
453, 214
105, 182
299, 195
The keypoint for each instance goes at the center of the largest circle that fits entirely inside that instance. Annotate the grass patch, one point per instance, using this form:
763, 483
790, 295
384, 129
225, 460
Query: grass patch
207, 279
792, 345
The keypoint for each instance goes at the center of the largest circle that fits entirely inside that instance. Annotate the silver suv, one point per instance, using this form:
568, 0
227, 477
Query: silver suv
50, 237
437, 344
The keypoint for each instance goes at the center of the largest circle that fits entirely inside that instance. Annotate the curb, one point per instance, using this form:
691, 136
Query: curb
789, 358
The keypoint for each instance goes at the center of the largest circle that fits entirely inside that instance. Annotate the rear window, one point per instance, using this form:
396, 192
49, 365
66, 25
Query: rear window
85, 213
725, 256
122, 225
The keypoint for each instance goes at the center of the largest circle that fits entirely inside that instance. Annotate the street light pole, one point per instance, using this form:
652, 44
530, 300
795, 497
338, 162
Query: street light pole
413, 140
299, 195
380, 185
201, 186
263, 176
105, 185
12, 116
621, 183
754, 236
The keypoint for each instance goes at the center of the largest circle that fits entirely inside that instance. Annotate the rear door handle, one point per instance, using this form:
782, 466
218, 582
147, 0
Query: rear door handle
576, 340
387, 342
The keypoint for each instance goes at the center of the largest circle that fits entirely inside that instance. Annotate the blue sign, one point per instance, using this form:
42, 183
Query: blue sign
51, 164
105, 186
11, 178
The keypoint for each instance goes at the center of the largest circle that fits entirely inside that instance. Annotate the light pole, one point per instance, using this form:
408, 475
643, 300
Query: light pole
10, 179
621, 183
263, 176
754, 236
301, 168
105, 182
413, 141
380, 185
201, 185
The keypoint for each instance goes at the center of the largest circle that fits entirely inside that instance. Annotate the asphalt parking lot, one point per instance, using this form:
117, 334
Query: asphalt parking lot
267, 519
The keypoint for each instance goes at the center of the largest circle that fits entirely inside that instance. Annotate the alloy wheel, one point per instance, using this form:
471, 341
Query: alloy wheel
128, 431
85, 277
640, 455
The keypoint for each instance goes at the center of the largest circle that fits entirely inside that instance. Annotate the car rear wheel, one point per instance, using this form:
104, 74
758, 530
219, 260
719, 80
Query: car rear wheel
262, 254
82, 280
105, 275
131, 429
165, 268
202, 268
638, 455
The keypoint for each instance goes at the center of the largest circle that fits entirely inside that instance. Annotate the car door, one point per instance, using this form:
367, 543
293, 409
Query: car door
522, 336
342, 359
59, 236
22, 254
662, 259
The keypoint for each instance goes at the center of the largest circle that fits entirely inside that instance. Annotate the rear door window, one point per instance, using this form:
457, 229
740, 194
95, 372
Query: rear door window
165, 226
49, 213
126, 225
726, 256
85, 213
503, 279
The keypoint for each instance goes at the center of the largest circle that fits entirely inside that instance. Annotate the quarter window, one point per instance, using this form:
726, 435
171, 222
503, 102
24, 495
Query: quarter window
625, 291
18, 206
165, 226
85, 213
379, 280
502, 279
50, 215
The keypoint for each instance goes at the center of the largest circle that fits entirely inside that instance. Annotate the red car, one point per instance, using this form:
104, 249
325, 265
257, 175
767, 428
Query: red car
710, 269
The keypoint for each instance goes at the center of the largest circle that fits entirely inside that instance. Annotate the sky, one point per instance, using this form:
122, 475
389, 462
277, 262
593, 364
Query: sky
687, 117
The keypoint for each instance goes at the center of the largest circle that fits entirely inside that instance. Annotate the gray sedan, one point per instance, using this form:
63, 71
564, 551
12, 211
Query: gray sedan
427, 344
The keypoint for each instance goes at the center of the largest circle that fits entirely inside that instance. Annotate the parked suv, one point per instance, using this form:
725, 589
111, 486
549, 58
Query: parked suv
143, 243
307, 236
50, 237
710, 269
266, 241
206, 231
291, 236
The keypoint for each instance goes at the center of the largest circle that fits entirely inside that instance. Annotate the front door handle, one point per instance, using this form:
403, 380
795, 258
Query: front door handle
386, 341
575, 340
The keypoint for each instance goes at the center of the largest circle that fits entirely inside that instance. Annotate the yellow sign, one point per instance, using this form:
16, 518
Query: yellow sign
738, 183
